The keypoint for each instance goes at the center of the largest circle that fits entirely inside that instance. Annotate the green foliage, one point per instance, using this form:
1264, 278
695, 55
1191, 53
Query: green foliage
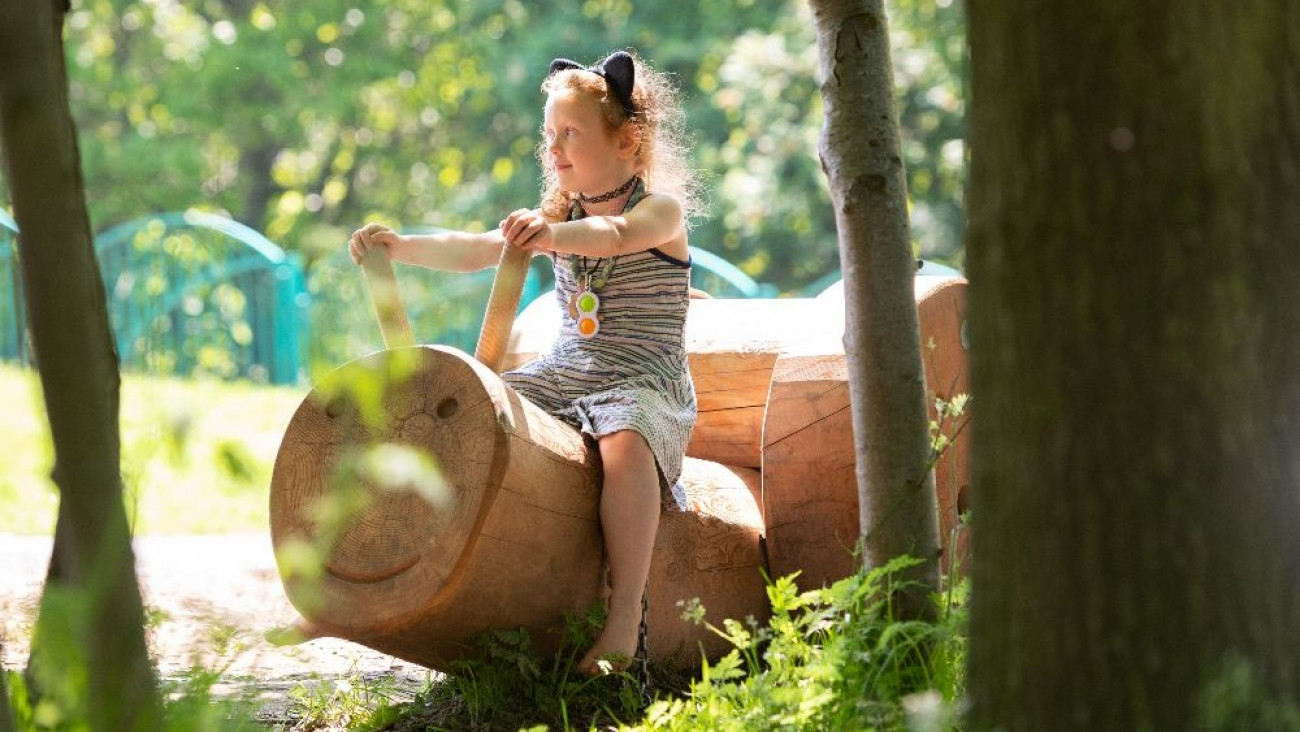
1236, 697
358, 702
303, 121
833, 658
193, 701
504, 684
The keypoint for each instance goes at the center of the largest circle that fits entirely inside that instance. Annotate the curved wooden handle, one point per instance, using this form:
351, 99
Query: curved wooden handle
382, 284
503, 303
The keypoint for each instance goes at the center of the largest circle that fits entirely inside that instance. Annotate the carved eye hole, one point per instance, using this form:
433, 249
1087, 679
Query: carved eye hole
336, 407
447, 407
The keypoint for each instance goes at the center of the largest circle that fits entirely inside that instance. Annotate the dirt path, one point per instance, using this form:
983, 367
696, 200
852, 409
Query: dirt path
213, 598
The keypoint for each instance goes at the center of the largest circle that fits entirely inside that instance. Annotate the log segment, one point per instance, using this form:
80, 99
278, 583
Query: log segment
512, 539
708, 547
809, 465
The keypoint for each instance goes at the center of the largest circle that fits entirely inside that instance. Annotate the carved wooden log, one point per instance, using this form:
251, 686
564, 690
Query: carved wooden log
708, 547
515, 541
942, 304
809, 464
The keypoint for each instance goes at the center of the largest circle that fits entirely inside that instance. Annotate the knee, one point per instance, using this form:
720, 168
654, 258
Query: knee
623, 445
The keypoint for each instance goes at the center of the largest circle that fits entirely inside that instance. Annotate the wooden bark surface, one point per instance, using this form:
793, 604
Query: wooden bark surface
861, 154
516, 543
1132, 249
89, 641
503, 303
381, 283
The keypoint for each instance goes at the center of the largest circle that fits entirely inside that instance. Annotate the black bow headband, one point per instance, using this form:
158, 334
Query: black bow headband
618, 71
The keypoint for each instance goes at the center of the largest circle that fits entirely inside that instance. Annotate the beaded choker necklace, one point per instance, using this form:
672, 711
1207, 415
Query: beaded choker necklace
611, 195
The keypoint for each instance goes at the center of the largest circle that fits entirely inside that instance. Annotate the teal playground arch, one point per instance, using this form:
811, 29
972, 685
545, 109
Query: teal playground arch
721, 278
13, 338
194, 293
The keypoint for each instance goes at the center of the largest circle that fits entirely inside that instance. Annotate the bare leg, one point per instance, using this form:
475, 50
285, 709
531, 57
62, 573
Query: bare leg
629, 518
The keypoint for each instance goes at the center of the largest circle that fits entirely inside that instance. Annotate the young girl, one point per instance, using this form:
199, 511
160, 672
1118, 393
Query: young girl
615, 201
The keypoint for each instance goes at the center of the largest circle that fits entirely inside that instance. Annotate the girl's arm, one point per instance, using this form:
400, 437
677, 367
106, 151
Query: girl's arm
655, 221
452, 251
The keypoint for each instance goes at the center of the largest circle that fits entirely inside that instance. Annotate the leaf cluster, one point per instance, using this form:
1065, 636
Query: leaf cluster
830, 658
505, 684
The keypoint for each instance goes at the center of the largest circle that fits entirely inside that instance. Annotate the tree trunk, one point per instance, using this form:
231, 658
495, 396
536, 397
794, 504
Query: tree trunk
863, 163
88, 651
6, 714
255, 165
1133, 260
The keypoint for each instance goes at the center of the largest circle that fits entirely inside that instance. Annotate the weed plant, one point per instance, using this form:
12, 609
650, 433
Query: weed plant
191, 704
830, 658
359, 702
505, 685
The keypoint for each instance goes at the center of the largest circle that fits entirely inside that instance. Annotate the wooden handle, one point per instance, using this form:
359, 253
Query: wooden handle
382, 284
503, 303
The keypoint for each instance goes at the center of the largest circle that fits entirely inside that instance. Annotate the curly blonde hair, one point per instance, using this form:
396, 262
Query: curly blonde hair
662, 157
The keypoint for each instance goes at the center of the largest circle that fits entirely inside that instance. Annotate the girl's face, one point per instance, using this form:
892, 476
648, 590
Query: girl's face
586, 157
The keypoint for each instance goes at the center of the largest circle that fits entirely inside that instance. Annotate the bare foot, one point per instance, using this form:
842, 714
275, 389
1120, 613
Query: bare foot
613, 650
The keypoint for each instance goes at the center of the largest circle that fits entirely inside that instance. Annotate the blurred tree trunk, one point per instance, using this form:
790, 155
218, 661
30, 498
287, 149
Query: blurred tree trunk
6, 713
1134, 255
861, 156
255, 165
88, 651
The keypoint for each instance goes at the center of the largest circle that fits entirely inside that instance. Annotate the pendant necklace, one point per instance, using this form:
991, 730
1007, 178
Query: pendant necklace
584, 303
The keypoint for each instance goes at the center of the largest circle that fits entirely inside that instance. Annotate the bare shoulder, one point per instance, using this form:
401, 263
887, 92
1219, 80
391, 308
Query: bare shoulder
666, 212
661, 206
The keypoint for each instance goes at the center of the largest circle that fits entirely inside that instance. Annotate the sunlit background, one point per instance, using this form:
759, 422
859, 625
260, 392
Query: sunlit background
303, 119
230, 147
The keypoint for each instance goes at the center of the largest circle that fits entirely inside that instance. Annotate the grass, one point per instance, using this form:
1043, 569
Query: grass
196, 455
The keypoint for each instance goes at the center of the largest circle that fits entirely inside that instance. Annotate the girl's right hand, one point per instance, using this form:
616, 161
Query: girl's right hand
369, 237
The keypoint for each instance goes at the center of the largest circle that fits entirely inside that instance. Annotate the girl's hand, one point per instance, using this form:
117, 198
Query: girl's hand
528, 230
369, 237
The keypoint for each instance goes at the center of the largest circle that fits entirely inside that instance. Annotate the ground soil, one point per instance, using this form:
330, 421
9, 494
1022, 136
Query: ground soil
211, 600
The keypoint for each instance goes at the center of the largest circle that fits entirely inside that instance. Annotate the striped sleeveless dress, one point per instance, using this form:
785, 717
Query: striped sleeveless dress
632, 374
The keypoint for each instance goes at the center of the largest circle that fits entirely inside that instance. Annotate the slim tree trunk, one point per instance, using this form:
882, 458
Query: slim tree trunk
255, 165
6, 713
1134, 265
88, 651
861, 156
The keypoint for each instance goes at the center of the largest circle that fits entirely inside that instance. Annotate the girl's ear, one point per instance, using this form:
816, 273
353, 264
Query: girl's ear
629, 141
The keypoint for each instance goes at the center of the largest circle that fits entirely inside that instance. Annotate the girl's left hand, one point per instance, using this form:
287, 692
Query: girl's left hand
528, 230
